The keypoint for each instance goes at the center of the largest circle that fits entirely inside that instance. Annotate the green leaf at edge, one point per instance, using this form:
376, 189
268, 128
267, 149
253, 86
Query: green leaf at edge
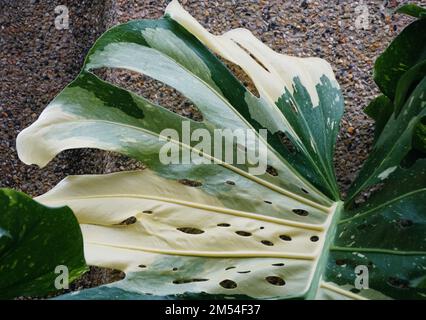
413, 10
34, 240
405, 51
380, 109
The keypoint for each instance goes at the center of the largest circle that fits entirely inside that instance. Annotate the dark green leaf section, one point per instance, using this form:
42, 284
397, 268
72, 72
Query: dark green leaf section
400, 72
402, 66
380, 109
317, 127
419, 140
407, 83
407, 50
412, 10
388, 235
393, 144
34, 240
395, 276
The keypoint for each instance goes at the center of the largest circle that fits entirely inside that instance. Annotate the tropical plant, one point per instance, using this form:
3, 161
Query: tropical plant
210, 230
28, 230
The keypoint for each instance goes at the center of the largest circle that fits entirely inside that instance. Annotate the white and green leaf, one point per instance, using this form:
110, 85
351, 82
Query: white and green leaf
178, 240
232, 233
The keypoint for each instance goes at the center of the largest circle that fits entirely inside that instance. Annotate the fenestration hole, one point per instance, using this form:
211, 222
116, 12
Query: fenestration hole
190, 230
287, 143
228, 284
271, 170
225, 225
398, 283
293, 106
232, 183
341, 262
314, 238
251, 55
190, 183
183, 281
404, 223
147, 211
243, 233
304, 190
267, 243
300, 212
285, 237
278, 264
268, 202
128, 221
276, 281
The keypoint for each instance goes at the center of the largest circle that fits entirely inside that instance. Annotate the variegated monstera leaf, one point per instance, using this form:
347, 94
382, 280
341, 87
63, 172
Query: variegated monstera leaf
229, 232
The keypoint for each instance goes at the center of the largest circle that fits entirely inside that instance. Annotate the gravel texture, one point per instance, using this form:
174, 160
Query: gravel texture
37, 61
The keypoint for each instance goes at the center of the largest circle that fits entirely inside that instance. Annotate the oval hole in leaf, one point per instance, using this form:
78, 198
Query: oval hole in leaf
228, 284
271, 170
341, 262
287, 143
300, 212
190, 183
278, 264
276, 281
285, 237
225, 225
183, 281
267, 243
128, 221
404, 223
190, 230
314, 238
243, 233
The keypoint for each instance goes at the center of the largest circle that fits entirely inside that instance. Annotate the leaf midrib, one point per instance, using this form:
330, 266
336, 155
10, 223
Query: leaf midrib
213, 254
378, 250
368, 212
217, 161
